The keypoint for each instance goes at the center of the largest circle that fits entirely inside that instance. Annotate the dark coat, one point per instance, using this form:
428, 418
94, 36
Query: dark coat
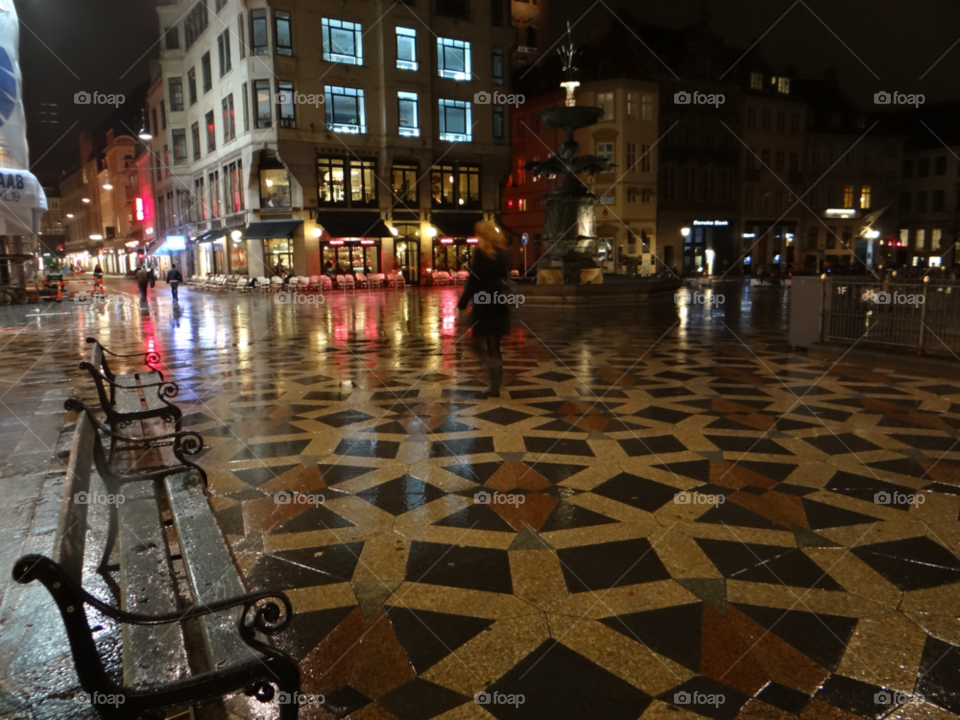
174, 275
487, 275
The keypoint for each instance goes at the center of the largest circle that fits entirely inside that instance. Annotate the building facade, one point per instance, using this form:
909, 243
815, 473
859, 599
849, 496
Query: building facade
395, 148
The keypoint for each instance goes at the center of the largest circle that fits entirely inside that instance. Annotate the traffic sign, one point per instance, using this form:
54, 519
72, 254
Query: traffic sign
525, 238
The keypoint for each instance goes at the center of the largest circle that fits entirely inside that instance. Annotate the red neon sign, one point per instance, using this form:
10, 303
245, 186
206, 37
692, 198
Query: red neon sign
140, 214
446, 241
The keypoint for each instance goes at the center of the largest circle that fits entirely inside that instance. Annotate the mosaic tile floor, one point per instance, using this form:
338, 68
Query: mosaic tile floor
536, 544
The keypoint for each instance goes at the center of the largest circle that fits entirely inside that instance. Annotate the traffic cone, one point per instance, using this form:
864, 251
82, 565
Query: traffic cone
59, 291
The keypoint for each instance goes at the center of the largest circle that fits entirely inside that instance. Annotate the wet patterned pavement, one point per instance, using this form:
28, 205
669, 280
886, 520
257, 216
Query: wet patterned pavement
535, 544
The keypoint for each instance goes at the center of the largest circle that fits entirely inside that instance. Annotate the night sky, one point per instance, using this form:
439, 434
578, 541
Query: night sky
107, 44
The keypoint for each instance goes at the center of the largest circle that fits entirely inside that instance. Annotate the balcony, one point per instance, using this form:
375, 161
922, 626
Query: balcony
459, 9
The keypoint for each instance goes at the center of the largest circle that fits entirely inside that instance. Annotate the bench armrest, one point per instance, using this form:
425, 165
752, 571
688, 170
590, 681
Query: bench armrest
167, 388
261, 612
149, 358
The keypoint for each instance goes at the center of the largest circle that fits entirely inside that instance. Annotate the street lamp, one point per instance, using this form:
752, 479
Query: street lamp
431, 231
236, 235
144, 134
685, 231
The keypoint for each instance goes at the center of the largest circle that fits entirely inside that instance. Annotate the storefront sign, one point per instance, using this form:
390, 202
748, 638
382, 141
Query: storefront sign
713, 223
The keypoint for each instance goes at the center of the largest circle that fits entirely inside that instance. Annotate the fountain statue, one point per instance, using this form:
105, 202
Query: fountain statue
569, 226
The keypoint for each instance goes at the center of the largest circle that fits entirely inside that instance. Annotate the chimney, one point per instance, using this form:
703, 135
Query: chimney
830, 75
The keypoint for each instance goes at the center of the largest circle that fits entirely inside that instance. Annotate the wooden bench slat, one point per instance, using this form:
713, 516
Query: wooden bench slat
133, 380
154, 401
210, 568
72, 523
128, 401
152, 654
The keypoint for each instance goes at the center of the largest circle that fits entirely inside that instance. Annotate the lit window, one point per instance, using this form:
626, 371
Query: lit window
522, 204
865, 197
782, 84
342, 42
455, 121
848, 196
345, 111
264, 103
605, 103
935, 235
756, 81
274, 188
605, 150
646, 107
409, 114
407, 49
453, 59
211, 132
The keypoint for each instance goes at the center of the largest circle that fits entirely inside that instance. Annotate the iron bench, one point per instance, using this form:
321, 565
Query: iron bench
174, 652
127, 398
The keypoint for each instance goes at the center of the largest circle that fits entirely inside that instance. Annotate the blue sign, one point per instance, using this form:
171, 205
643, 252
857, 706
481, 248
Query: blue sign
8, 87
525, 238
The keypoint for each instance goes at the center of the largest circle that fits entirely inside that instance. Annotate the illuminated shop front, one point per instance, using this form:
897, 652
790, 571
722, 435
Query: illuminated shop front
406, 251
454, 244
351, 242
276, 238
211, 260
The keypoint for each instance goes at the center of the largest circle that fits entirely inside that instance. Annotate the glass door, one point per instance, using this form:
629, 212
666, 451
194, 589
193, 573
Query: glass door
408, 257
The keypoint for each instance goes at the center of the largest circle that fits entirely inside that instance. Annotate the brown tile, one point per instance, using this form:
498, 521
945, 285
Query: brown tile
381, 664
726, 656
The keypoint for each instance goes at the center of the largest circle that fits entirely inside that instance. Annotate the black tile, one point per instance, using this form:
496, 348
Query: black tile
939, 670
784, 697
390, 395
775, 471
557, 377
477, 472
471, 568
401, 495
259, 475
567, 516
332, 396
560, 684
701, 695
853, 696
384, 449
937, 443
344, 418
772, 564
822, 638
821, 516
313, 518
668, 392
841, 443
503, 416
913, 563
336, 473
420, 699
428, 637
661, 414
636, 491
532, 393
556, 473
308, 629
695, 469
740, 444
305, 567
465, 394
283, 448
613, 564
461, 446
901, 466
674, 632
870, 489
659, 445
729, 513
344, 700
558, 446
478, 517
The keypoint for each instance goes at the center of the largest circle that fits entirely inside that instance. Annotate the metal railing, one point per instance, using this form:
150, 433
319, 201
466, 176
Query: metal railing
921, 317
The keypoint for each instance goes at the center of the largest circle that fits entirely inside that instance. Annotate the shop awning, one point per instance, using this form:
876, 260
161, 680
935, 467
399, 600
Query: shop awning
353, 224
457, 224
171, 243
203, 237
270, 230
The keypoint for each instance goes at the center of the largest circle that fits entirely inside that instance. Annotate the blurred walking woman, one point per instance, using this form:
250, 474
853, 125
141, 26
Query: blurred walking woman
489, 271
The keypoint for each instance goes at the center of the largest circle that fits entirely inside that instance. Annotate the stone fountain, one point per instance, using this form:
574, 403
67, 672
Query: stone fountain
569, 226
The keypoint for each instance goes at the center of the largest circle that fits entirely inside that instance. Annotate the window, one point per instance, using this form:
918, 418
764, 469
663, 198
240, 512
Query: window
831, 238
794, 162
409, 114
938, 201
213, 188
815, 153
767, 116
631, 106
923, 167
935, 235
781, 121
605, 150
756, 81
605, 103
166, 159
646, 163
921, 206
521, 171
631, 156
905, 202
921, 239
233, 187
455, 186
646, 195
211, 132
454, 8
223, 51
283, 33
498, 125
258, 32
497, 14
172, 36
407, 49
206, 72
221, 4
274, 188
908, 168
405, 183
848, 196
345, 111
153, 122
195, 136
195, 22
765, 159
241, 36
455, 121
246, 107
865, 197
179, 147
782, 84
192, 85
229, 119
163, 112
342, 42
522, 204
363, 184
176, 94
751, 117
498, 66
331, 181
779, 160
646, 107
813, 238
287, 115
261, 91
453, 59
940, 165
795, 122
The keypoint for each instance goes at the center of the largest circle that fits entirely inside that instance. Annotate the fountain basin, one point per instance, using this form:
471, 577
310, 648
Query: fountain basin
570, 118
